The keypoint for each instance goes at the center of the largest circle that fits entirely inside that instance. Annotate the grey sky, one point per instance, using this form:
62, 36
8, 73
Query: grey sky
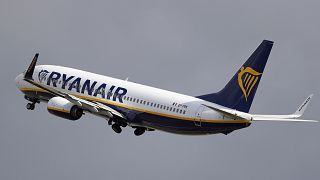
191, 47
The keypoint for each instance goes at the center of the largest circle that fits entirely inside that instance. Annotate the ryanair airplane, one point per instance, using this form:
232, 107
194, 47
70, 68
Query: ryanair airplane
70, 93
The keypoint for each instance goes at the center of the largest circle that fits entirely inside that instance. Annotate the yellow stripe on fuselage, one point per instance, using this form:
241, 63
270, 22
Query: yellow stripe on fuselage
142, 110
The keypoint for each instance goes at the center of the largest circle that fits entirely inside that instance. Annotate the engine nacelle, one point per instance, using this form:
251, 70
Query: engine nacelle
63, 108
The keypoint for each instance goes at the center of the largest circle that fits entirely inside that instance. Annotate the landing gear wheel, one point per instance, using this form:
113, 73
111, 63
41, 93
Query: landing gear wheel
139, 131
116, 128
110, 122
122, 124
30, 106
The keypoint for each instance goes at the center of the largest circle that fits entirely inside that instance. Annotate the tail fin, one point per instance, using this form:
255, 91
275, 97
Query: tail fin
239, 92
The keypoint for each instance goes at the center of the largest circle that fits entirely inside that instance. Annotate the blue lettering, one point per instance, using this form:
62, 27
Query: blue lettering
54, 76
110, 92
100, 90
65, 80
119, 93
86, 87
75, 84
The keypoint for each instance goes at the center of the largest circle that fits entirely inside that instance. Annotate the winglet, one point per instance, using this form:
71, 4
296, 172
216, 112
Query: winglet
28, 74
303, 106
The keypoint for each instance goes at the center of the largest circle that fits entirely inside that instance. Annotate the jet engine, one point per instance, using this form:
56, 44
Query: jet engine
63, 108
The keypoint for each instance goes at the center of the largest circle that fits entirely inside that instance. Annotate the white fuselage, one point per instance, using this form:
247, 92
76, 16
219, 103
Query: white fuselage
124, 94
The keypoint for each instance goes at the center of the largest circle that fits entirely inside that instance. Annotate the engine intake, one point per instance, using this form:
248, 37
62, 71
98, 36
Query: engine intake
63, 108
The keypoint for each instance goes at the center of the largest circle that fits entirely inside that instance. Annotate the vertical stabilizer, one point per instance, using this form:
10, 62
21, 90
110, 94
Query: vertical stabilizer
239, 92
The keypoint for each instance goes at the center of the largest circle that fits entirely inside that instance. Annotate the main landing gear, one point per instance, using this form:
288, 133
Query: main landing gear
116, 128
139, 131
116, 125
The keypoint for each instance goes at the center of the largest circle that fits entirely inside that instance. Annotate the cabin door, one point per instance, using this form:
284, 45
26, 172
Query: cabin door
197, 119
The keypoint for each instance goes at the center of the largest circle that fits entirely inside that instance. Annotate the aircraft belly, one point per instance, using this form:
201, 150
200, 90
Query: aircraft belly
186, 127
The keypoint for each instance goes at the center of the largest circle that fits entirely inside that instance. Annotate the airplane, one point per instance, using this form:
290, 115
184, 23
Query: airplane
70, 93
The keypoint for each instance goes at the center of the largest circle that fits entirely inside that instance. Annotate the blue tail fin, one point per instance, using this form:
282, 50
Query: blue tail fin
239, 92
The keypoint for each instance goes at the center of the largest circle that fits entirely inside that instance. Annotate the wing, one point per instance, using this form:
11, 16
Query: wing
299, 112
241, 115
281, 120
90, 106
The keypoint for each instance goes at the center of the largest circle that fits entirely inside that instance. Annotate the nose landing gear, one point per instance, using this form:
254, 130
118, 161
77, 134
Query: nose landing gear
33, 101
30, 106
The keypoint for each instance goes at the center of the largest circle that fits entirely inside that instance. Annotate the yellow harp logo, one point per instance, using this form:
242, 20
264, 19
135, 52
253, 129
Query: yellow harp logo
247, 78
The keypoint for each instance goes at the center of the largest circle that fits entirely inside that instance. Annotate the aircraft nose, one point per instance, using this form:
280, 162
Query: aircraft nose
18, 79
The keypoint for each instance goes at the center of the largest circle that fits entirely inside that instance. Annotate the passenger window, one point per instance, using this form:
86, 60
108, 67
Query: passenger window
144, 102
170, 108
141, 101
184, 111
147, 103
180, 111
161, 107
157, 105
174, 109
151, 104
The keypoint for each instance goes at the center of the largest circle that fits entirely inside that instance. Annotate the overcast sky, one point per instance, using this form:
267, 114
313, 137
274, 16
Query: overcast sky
191, 47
